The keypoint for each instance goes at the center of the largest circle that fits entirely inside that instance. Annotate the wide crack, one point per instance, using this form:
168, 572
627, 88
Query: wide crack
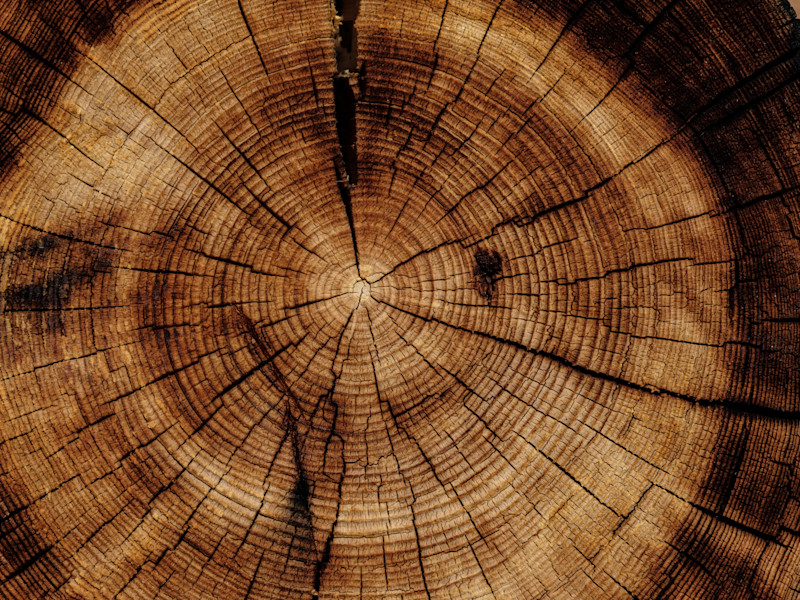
345, 81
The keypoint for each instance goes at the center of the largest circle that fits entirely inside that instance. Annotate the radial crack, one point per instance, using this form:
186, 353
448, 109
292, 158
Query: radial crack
344, 192
729, 405
345, 80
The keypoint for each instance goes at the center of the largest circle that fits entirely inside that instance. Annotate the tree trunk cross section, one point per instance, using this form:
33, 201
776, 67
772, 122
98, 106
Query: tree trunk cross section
448, 299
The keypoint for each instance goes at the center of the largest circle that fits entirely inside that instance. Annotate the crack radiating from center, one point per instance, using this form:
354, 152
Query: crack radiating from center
345, 80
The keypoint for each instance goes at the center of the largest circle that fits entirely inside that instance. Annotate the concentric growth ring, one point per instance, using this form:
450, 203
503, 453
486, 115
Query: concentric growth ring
443, 299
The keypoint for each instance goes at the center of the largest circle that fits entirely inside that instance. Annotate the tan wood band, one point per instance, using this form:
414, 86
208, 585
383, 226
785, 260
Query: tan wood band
443, 299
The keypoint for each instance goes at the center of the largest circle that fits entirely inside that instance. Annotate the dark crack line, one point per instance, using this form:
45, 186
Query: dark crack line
435, 50
417, 255
168, 124
719, 516
345, 106
680, 130
28, 563
284, 308
322, 562
186, 165
63, 236
733, 407
746, 107
226, 261
250, 164
439, 116
527, 221
345, 110
291, 418
263, 485
186, 525
634, 267
604, 407
36, 56
574, 18
344, 193
419, 546
310, 251
464, 385
383, 402
96, 352
481, 187
450, 491
252, 37
168, 374
483, 573
257, 569
42, 121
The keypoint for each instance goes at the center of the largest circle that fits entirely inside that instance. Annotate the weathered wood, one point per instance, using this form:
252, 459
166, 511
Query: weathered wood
441, 299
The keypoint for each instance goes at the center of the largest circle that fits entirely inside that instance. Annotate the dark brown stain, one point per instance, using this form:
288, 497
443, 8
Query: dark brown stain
39, 44
48, 268
488, 267
52, 292
38, 246
301, 520
731, 94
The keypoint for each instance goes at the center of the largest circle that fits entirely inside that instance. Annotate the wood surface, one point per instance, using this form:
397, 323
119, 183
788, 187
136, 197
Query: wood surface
441, 299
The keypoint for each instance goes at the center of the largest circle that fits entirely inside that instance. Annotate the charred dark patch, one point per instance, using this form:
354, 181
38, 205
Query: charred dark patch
302, 549
488, 267
38, 246
51, 293
47, 272
300, 499
46, 289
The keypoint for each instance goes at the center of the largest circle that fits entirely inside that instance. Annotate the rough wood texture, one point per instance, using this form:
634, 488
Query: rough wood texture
441, 299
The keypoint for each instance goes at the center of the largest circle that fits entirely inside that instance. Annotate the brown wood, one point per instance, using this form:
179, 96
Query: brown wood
441, 299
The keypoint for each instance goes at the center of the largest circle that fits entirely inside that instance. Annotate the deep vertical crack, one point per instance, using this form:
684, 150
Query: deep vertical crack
345, 29
345, 101
346, 80
324, 558
344, 191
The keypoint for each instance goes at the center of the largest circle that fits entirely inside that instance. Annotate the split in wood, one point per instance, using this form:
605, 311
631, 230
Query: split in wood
346, 78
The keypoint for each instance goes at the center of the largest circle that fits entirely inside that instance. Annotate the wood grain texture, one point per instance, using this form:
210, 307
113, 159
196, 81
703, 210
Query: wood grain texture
449, 299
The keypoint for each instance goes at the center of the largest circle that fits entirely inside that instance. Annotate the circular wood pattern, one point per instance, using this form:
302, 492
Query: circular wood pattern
443, 299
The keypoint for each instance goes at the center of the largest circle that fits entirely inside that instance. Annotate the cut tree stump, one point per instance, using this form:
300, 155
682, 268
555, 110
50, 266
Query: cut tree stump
443, 299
